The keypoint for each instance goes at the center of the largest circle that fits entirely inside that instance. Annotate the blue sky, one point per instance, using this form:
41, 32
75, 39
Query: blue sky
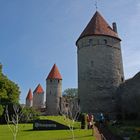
35, 34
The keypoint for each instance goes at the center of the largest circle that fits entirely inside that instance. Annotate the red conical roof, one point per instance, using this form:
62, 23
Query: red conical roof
29, 95
98, 26
39, 89
54, 73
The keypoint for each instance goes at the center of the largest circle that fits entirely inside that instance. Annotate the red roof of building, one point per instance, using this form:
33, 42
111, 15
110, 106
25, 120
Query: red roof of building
39, 89
98, 26
54, 73
29, 95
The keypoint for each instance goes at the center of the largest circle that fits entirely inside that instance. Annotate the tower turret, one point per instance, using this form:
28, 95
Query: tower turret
53, 91
29, 99
100, 69
38, 97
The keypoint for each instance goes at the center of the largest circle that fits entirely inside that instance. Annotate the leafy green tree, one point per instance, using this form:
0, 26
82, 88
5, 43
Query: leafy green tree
9, 91
29, 114
70, 92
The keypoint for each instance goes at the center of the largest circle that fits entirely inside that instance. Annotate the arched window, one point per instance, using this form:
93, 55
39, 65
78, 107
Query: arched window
92, 63
122, 79
90, 41
105, 41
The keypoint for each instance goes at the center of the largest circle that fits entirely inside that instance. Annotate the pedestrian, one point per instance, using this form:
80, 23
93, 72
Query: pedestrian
101, 119
89, 121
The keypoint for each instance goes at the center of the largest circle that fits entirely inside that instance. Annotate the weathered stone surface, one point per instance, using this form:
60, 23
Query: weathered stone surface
100, 72
53, 96
38, 97
129, 96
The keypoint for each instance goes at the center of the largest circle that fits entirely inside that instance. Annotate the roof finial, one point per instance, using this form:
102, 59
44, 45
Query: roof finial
96, 5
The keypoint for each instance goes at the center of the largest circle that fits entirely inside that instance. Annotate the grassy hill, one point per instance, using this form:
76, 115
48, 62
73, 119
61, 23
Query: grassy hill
63, 120
26, 132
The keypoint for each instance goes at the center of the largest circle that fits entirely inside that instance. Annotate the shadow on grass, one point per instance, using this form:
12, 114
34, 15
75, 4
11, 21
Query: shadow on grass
44, 130
70, 138
29, 130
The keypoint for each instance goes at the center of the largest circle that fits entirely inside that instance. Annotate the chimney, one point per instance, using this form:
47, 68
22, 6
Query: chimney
114, 27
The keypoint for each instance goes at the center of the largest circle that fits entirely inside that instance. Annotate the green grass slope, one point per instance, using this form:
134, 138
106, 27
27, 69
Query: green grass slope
26, 132
62, 120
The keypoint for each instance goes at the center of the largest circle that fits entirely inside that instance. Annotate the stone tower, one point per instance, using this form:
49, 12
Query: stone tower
29, 99
53, 91
100, 69
38, 97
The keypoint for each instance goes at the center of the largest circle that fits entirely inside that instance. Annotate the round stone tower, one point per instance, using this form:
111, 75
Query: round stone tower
29, 99
53, 91
100, 69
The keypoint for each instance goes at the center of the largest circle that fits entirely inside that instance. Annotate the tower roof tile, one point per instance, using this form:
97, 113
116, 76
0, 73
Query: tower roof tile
54, 73
98, 26
39, 89
29, 95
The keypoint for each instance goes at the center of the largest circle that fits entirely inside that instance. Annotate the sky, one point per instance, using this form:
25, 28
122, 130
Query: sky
35, 34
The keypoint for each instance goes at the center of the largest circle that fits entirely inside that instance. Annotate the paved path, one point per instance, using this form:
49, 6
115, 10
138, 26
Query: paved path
102, 133
97, 133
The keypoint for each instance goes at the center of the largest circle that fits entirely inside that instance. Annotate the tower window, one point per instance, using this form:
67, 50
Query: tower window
58, 81
51, 80
90, 41
92, 63
122, 79
105, 41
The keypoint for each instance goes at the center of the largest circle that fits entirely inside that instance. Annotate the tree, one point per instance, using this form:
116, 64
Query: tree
70, 109
13, 120
29, 114
71, 115
71, 92
9, 91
